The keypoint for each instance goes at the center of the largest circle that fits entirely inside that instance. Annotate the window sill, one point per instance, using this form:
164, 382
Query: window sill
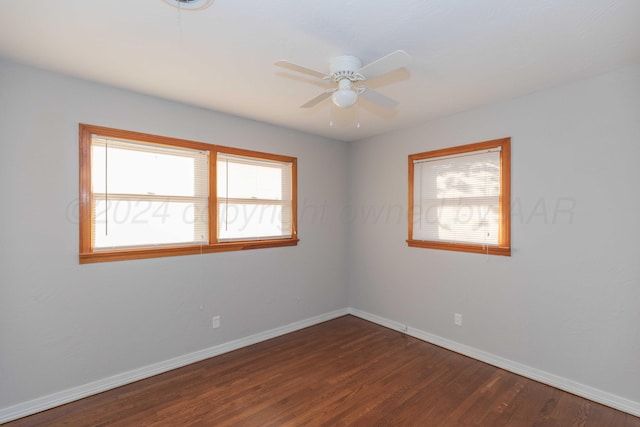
129, 254
461, 247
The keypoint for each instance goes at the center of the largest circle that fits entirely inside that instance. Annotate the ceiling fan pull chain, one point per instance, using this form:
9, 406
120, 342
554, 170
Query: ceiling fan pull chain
331, 117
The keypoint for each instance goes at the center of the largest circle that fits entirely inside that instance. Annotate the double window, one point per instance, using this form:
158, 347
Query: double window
144, 196
459, 198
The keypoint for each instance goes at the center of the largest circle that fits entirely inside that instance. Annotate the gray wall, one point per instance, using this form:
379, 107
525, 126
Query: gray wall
566, 302
568, 299
63, 324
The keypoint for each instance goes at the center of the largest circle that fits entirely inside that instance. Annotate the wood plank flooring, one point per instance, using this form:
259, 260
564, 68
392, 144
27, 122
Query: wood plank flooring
343, 372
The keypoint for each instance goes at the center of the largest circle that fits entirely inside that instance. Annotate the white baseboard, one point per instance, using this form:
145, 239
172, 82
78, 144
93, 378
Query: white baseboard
594, 394
50, 401
60, 398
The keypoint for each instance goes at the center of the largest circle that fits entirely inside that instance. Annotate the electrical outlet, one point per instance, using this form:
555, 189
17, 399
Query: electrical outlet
457, 319
215, 322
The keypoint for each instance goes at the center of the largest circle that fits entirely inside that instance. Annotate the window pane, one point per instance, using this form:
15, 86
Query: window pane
144, 172
457, 198
254, 198
458, 221
147, 194
248, 180
148, 223
250, 221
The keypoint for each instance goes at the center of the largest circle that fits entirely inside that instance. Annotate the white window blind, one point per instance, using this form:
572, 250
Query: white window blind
456, 198
148, 195
254, 198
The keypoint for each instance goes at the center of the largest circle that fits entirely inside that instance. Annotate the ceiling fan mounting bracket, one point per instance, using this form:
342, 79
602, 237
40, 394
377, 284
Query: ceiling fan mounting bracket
345, 67
189, 4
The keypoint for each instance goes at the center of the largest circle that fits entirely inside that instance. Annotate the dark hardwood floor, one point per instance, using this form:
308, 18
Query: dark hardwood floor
343, 372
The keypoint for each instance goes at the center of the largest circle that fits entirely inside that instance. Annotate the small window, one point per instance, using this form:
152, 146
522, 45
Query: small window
144, 196
137, 203
459, 198
254, 198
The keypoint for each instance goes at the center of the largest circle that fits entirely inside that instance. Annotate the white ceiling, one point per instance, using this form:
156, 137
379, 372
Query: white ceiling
465, 52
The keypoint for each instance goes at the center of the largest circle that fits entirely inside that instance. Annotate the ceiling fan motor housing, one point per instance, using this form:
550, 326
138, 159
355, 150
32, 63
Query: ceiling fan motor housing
345, 67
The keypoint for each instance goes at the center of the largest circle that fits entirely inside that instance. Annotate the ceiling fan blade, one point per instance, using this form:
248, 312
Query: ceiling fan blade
378, 98
300, 69
318, 99
390, 62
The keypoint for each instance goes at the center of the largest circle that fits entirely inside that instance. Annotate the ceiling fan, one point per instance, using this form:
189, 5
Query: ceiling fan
348, 72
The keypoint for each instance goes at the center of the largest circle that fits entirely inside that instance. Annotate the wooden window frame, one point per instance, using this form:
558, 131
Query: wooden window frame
504, 231
89, 255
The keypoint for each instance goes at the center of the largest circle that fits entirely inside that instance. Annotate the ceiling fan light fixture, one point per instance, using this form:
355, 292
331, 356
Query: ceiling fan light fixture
344, 98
